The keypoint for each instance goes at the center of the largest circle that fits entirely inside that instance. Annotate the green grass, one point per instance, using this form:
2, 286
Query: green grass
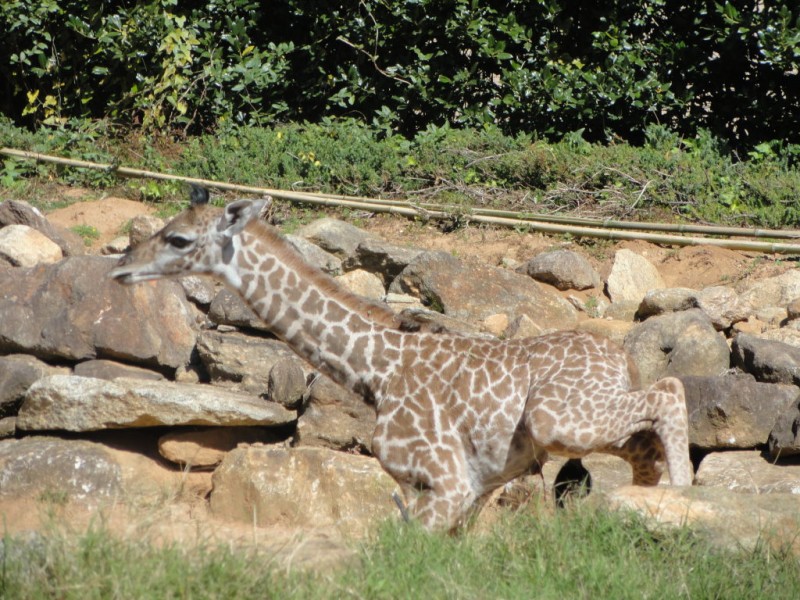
577, 553
693, 179
89, 233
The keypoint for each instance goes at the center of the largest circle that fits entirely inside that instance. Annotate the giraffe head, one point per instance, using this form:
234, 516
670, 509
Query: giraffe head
194, 242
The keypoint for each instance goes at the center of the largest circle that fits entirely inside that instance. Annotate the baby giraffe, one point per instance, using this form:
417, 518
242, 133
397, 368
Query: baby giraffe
457, 417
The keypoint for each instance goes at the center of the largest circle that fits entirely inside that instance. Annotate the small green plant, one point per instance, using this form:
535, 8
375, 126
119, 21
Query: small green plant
89, 233
591, 305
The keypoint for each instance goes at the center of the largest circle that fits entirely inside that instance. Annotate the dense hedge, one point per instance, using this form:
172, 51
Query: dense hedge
547, 67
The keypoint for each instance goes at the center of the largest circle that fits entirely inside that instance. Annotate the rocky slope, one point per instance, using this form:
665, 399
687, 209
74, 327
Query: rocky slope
170, 400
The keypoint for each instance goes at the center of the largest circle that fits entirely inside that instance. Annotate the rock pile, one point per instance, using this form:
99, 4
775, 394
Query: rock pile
82, 357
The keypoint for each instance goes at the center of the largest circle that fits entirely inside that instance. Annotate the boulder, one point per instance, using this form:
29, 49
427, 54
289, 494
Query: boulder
23, 246
334, 417
337, 237
91, 473
784, 439
143, 227
8, 427
771, 291
67, 469
607, 328
72, 310
363, 283
381, 258
563, 269
748, 472
631, 277
18, 212
733, 410
316, 256
287, 382
207, 447
729, 520
228, 308
200, 290
307, 488
723, 306
18, 372
666, 300
678, 344
473, 293
769, 361
243, 362
70, 403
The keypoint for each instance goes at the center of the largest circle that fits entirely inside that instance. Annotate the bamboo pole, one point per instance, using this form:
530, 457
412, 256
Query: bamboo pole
561, 225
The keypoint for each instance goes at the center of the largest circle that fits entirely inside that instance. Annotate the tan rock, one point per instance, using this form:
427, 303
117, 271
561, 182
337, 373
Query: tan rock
205, 448
24, 246
302, 487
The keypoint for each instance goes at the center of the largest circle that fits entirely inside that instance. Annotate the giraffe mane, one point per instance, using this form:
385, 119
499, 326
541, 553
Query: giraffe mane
375, 311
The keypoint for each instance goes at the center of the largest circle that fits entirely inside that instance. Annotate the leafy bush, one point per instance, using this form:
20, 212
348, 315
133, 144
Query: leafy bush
608, 70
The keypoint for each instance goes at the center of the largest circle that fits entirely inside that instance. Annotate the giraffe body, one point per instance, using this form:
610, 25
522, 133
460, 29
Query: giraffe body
457, 416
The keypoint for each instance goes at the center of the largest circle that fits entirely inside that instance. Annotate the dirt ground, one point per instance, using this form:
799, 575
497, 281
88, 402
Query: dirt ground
693, 267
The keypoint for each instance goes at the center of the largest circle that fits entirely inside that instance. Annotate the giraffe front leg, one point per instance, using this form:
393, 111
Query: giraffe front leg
441, 509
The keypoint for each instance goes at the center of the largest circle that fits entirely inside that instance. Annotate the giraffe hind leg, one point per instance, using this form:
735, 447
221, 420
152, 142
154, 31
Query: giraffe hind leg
645, 454
672, 427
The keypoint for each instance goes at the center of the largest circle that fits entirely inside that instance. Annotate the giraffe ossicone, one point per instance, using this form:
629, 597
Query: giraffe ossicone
457, 416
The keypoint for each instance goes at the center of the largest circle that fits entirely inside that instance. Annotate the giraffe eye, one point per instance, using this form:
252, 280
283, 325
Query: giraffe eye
178, 241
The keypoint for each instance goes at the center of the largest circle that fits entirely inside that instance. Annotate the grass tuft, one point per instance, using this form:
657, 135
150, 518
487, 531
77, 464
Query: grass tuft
580, 552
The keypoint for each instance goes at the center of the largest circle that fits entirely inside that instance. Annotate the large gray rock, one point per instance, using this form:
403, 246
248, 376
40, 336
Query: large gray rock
733, 410
631, 277
334, 236
287, 382
473, 293
748, 472
363, 283
228, 308
72, 310
334, 417
302, 487
784, 439
728, 519
70, 403
659, 301
677, 344
17, 212
93, 474
72, 469
773, 362
564, 269
23, 246
243, 362
316, 256
143, 227
18, 372
723, 306
772, 291
383, 259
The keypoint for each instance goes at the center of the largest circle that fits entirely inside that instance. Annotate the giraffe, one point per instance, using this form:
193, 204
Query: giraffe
457, 416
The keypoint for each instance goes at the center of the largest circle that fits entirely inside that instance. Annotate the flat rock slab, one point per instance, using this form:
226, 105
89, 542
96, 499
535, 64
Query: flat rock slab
302, 487
728, 519
748, 472
71, 403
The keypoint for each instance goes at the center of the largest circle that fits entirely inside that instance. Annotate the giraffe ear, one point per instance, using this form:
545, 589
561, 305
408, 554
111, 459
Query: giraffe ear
237, 215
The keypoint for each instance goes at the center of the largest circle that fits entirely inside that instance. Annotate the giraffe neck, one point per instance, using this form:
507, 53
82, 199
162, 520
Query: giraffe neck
341, 334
